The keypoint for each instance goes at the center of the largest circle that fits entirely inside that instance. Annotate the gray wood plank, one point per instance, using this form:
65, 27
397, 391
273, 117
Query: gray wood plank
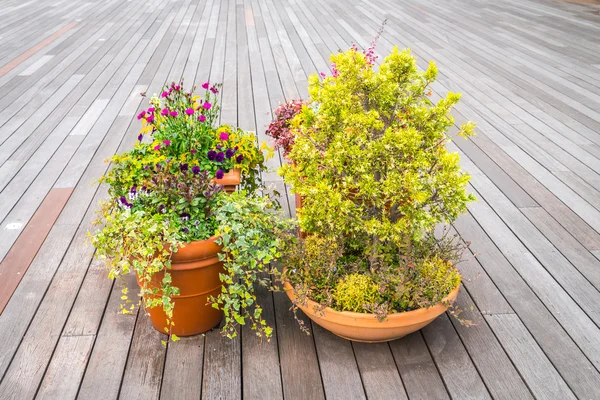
453, 362
341, 378
297, 355
182, 376
222, 376
529, 359
143, 372
495, 367
376, 364
416, 366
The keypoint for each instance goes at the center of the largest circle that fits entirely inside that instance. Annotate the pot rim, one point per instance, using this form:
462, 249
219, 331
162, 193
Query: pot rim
367, 317
194, 251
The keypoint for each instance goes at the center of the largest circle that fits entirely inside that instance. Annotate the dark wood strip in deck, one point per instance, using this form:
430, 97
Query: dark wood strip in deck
530, 74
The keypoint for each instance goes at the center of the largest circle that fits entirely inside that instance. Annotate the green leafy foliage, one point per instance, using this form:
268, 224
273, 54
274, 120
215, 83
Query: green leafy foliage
251, 230
370, 164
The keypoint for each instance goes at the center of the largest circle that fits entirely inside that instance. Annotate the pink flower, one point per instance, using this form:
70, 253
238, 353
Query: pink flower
165, 112
141, 115
323, 75
189, 111
150, 118
207, 105
214, 90
173, 113
157, 147
177, 87
201, 118
194, 151
224, 136
167, 142
165, 94
151, 110
205, 85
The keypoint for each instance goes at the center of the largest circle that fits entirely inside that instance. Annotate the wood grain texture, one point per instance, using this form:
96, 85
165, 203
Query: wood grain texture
32, 236
70, 74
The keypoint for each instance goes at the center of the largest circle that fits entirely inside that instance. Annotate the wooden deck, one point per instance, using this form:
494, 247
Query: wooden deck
70, 75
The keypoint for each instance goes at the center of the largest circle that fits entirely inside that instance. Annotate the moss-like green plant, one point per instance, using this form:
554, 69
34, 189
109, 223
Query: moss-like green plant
355, 292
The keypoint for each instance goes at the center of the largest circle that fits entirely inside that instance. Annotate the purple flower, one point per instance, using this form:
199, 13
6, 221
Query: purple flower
173, 113
150, 118
189, 111
157, 147
224, 136
140, 137
219, 174
185, 230
151, 110
207, 105
214, 90
164, 112
201, 118
141, 115
183, 167
220, 157
125, 203
167, 142
219, 146
212, 155
184, 216
194, 151
205, 85
165, 94
196, 170
239, 159
161, 209
229, 153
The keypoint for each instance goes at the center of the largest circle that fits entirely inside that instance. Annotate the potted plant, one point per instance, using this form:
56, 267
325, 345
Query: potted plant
368, 160
169, 220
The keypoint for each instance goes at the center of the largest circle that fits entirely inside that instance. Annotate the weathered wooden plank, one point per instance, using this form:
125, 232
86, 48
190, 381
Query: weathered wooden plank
261, 375
222, 376
416, 366
341, 378
529, 359
23, 252
453, 362
378, 372
496, 369
297, 355
182, 377
143, 372
550, 335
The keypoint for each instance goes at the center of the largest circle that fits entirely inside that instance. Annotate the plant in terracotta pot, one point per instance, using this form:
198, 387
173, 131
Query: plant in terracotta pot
169, 220
370, 165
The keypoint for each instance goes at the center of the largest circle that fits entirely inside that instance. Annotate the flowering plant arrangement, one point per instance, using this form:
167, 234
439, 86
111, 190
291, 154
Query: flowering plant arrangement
163, 195
370, 164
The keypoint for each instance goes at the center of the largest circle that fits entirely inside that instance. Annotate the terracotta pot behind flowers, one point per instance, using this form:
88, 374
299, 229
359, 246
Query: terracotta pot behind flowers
230, 180
195, 270
365, 327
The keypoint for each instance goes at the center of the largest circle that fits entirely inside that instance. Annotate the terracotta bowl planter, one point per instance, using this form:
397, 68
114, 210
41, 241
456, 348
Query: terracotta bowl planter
362, 327
230, 180
195, 271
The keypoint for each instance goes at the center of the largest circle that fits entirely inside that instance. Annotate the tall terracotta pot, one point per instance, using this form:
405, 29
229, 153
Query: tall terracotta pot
195, 270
